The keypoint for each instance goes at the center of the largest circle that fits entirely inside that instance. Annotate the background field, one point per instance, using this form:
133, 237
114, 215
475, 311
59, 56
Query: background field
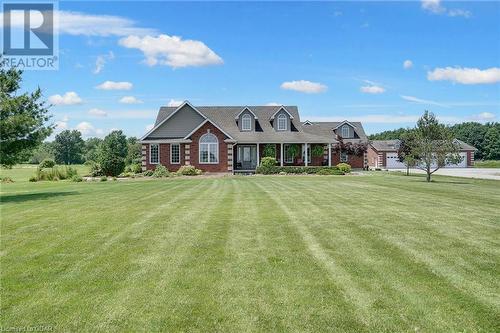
372, 253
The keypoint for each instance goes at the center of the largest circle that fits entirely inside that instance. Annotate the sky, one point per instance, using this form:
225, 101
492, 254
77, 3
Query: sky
382, 63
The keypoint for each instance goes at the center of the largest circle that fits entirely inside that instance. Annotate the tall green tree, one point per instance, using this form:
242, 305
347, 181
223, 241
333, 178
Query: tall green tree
406, 153
492, 143
23, 118
112, 153
434, 145
91, 149
472, 133
43, 152
134, 154
68, 147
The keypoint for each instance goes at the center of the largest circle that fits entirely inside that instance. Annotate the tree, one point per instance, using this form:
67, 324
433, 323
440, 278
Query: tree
389, 135
434, 145
68, 147
91, 149
43, 152
112, 153
23, 118
473, 134
134, 154
406, 152
492, 143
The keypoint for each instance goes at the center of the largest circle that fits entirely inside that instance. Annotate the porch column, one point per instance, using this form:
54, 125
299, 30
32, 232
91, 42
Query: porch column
258, 155
329, 154
305, 154
281, 155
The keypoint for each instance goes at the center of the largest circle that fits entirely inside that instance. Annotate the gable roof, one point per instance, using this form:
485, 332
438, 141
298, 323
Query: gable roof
246, 108
330, 126
282, 107
344, 122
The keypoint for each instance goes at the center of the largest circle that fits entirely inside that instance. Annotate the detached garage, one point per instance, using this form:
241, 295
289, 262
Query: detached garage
384, 154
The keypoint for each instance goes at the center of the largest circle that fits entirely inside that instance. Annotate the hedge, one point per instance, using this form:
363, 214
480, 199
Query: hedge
271, 170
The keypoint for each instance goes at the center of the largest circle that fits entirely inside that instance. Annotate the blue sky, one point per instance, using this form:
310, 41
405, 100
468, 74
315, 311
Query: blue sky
334, 60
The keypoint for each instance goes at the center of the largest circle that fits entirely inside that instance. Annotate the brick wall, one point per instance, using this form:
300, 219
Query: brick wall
354, 161
164, 157
222, 166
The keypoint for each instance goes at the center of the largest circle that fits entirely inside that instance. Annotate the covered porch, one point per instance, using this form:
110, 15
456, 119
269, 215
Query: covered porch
247, 156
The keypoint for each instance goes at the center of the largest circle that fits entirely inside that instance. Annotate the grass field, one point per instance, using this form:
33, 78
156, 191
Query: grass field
487, 164
372, 253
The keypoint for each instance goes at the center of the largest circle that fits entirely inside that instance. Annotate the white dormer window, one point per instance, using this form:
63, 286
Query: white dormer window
282, 122
345, 131
246, 122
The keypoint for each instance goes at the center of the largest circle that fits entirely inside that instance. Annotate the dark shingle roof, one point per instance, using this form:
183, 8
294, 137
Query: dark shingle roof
392, 145
224, 117
329, 126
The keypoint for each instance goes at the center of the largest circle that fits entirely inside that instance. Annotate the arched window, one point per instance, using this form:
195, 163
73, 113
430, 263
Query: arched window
345, 131
209, 149
246, 122
282, 122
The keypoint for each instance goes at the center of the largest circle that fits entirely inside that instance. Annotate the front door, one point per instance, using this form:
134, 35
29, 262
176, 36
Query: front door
247, 157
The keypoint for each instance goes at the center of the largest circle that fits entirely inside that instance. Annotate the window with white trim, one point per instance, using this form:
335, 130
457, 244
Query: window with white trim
308, 153
209, 149
288, 157
154, 154
246, 122
175, 153
344, 157
345, 131
282, 122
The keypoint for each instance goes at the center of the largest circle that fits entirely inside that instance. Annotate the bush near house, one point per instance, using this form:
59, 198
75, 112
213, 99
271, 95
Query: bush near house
160, 171
344, 167
188, 170
272, 170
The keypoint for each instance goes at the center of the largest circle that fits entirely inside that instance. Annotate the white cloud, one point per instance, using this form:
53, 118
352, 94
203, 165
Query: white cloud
101, 61
304, 86
61, 125
97, 112
435, 7
372, 89
422, 101
85, 128
130, 100
485, 116
149, 127
112, 85
407, 64
172, 51
273, 104
75, 23
69, 98
465, 75
174, 102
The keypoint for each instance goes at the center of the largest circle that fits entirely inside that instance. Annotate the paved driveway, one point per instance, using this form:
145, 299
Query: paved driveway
463, 172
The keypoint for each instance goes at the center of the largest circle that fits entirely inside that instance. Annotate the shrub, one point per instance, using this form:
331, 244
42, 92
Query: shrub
47, 163
55, 173
95, 170
269, 150
318, 151
268, 162
104, 179
344, 167
76, 179
33, 179
295, 170
7, 180
189, 170
160, 171
148, 173
135, 168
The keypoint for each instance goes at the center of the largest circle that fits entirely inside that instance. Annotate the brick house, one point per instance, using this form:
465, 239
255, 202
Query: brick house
235, 138
384, 154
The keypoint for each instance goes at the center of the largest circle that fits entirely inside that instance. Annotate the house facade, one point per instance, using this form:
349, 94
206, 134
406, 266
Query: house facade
236, 138
384, 154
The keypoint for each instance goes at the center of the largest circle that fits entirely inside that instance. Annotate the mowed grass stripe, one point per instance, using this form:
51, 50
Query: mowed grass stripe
375, 251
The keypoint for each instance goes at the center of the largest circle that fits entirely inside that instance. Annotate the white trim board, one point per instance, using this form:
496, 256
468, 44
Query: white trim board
245, 108
203, 123
281, 108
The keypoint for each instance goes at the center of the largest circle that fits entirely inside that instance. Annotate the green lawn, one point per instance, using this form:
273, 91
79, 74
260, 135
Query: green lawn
487, 164
372, 253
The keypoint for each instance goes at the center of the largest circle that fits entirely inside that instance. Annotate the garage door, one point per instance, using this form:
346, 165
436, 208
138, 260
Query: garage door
462, 164
392, 161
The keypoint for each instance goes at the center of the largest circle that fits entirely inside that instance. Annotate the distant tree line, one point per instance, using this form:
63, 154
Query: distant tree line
485, 137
